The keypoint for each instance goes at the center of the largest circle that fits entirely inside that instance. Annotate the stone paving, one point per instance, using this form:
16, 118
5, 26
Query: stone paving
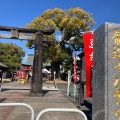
53, 98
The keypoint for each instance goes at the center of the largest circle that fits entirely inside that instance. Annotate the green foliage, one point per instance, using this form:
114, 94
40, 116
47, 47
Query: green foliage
76, 43
71, 23
77, 20
53, 53
11, 55
74, 23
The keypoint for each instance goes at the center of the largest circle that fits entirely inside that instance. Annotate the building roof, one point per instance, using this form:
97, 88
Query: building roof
29, 61
2, 65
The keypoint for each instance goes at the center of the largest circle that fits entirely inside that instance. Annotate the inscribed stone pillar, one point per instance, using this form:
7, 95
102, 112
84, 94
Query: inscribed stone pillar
106, 72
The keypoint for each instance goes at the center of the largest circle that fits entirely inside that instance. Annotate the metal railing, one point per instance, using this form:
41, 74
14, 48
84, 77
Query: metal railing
43, 111
19, 104
60, 110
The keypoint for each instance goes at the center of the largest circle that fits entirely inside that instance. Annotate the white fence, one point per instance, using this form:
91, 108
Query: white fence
19, 104
43, 111
60, 110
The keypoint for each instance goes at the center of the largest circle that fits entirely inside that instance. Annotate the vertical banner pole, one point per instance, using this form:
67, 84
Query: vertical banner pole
75, 74
75, 77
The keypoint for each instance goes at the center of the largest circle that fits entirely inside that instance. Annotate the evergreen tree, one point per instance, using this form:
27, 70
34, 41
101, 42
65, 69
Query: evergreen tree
11, 55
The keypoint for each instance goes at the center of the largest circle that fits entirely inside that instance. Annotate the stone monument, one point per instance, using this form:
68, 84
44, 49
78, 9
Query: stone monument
106, 72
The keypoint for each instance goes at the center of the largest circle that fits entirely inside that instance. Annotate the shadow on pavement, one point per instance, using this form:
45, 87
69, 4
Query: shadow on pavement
2, 99
7, 89
46, 91
88, 112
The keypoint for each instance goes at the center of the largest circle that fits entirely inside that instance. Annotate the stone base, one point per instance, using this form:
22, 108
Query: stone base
36, 94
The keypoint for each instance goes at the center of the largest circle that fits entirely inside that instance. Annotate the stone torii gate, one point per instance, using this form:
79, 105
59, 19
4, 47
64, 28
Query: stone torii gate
36, 83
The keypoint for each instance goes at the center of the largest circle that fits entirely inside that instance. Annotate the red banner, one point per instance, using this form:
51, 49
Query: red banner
75, 73
88, 56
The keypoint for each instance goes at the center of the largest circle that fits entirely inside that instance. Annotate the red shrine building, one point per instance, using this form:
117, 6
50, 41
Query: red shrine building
27, 67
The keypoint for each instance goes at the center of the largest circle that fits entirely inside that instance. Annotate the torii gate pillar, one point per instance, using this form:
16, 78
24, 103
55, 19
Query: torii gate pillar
36, 83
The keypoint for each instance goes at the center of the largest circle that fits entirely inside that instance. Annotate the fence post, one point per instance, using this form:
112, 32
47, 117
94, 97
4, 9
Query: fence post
69, 80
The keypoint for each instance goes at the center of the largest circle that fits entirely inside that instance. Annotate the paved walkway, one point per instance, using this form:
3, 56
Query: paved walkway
53, 98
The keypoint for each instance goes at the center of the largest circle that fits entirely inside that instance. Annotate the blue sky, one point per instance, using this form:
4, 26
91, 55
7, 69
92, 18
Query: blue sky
19, 12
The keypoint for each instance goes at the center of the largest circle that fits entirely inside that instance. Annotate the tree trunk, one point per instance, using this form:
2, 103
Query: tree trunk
52, 70
36, 83
57, 70
55, 67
